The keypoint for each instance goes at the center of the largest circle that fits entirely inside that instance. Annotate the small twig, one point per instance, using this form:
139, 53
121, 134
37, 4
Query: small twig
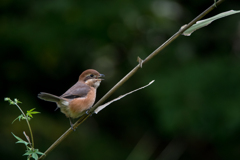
130, 74
27, 137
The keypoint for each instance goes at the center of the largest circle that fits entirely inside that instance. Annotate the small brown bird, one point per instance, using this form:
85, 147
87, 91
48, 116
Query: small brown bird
77, 100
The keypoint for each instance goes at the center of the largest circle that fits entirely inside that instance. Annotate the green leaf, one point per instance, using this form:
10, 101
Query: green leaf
29, 118
35, 156
35, 112
24, 142
12, 103
38, 152
30, 115
205, 22
21, 117
17, 101
31, 110
20, 140
16, 119
34, 153
17, 137
29, 152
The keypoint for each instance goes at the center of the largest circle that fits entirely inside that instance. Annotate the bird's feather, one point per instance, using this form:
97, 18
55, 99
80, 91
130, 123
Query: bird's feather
49, 97
78, 90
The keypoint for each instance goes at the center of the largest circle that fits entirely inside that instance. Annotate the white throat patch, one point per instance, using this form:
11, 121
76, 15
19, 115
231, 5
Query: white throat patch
93, 82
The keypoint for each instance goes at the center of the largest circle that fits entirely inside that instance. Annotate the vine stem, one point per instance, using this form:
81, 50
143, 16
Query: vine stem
131, 73
30, 130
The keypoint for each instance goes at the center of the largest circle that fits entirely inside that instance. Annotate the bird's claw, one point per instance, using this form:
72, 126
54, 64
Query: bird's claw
56, 108
73, 128
87, 112
71, 124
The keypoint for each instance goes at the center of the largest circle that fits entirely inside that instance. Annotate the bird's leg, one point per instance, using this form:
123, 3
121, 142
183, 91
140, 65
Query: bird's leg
71, 124
56, 108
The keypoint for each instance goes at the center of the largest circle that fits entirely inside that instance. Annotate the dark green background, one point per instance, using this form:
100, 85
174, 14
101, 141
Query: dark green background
192, 111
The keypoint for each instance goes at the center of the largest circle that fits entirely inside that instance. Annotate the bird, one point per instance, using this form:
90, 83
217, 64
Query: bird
78, 99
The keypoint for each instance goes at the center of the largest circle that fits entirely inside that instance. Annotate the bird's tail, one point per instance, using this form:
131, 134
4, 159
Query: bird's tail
49, 97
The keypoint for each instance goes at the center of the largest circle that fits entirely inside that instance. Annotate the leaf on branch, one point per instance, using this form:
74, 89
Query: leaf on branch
31, 112
20, 117
35, 156
28, 153
116, 99
20, 140
17, 101
34, 153
38, 152
205, 22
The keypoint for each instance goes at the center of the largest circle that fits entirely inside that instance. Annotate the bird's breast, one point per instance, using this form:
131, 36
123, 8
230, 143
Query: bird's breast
78, 106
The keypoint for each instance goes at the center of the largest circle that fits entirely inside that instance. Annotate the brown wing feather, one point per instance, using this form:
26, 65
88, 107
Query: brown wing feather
77, 90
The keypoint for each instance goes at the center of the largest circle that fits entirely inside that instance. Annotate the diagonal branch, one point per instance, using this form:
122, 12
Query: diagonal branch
130, 74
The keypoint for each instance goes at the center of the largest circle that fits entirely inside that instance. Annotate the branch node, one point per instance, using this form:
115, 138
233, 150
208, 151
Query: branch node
140, 61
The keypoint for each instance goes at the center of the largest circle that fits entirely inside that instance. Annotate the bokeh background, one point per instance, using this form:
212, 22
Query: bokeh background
192, 111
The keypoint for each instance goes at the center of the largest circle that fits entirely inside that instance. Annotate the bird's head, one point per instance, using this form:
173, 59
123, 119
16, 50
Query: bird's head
91, 77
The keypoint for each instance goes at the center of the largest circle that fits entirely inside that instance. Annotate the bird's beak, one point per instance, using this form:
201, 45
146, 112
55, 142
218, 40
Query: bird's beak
101, 75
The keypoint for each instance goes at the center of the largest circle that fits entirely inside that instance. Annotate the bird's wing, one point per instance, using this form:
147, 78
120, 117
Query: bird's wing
78, 90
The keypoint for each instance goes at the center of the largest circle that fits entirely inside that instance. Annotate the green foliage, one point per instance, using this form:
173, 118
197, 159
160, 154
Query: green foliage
11, 102
29, 115
21, 140
20, 117
31, 112
31, 152
205, 22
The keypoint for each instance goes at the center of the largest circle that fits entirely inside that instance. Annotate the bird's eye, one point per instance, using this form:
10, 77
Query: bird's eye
91, 75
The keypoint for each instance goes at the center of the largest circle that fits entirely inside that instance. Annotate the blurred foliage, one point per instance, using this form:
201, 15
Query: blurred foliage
190, 112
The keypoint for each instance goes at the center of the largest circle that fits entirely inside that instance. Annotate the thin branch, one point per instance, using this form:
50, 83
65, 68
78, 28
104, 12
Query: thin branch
130, 74
30, 130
